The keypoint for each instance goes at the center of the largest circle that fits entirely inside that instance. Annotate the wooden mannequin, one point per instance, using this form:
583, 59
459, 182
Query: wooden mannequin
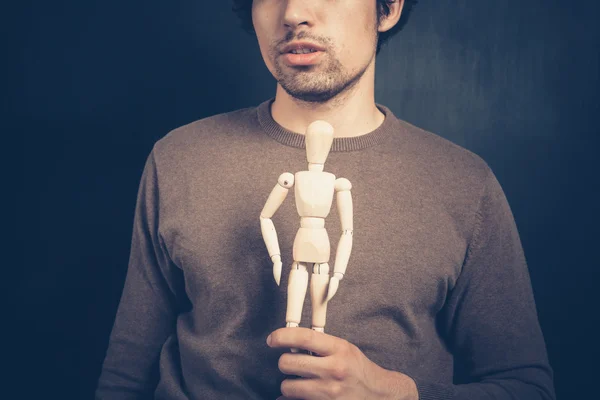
314, 195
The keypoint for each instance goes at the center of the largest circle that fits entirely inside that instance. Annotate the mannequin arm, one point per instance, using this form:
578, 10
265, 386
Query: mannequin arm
344, 248
269, 234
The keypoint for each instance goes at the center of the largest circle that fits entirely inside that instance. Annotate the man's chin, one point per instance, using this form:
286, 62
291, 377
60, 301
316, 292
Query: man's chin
310, 96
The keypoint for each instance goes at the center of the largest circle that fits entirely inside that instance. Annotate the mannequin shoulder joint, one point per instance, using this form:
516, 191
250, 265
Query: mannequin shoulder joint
342, 184
286, 180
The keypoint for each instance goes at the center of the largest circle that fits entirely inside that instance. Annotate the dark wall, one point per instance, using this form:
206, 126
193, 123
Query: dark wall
93, 84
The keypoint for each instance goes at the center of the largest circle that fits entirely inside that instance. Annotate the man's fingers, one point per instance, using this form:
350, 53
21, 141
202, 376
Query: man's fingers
299, 388
301, 365
306, 339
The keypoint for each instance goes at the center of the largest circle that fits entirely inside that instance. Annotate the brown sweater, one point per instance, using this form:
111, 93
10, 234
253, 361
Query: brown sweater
437, 286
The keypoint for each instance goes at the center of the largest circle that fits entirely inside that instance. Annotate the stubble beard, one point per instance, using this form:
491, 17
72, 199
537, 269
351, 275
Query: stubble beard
317, 83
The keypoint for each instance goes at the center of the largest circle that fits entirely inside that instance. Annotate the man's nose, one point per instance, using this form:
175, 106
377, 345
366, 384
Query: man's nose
298, 12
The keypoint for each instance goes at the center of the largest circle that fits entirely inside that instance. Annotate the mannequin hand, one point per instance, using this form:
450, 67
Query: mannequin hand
277, 269
341, 371
334, 283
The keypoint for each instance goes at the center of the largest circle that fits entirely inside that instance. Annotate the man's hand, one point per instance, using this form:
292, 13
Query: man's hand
340, 371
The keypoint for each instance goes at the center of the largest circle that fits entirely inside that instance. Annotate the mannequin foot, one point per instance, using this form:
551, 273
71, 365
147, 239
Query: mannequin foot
292, 325
317, 329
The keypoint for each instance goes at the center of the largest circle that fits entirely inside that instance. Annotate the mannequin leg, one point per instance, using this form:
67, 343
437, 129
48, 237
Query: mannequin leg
297, 285
318, 295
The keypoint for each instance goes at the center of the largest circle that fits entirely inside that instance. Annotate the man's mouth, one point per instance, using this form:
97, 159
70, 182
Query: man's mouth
301, 47
302, 51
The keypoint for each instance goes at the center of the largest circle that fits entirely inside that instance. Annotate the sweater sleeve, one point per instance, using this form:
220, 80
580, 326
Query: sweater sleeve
148, 306
490, 316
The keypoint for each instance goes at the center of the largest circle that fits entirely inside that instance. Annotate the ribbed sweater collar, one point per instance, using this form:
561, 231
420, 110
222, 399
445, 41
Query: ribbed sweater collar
345, 144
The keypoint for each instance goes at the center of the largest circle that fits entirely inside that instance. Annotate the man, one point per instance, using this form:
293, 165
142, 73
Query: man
436, 302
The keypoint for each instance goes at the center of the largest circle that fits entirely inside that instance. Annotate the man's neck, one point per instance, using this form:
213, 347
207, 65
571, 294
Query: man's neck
355, 115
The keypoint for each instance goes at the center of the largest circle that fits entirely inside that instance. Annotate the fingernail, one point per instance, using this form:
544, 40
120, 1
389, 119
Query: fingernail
269, 340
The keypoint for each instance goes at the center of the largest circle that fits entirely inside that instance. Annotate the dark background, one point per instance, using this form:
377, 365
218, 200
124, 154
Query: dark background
91, 85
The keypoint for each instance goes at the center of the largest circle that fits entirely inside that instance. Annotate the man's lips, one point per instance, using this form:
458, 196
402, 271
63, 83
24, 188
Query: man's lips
300, 45
302, 59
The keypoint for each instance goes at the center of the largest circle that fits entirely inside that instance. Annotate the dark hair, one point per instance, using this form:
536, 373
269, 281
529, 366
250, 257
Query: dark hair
243, 9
